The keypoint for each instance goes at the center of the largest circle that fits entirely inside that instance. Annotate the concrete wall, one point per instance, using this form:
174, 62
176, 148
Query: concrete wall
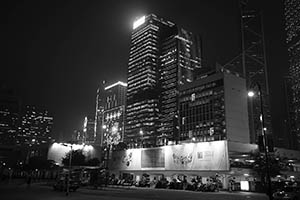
236, 110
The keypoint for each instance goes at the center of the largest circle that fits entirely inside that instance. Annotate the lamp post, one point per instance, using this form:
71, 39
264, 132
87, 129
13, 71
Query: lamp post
264, 137
142, 137
70, 165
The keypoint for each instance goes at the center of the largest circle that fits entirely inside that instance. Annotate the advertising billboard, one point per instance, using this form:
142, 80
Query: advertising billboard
202, 156
58, 151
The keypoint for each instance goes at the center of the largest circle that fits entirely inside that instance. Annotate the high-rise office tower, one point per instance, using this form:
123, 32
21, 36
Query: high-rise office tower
162, 56
114, 113
99, 115
89, 130
111, 100
179, 60
292, 27
36, 127
251, 64
9, 116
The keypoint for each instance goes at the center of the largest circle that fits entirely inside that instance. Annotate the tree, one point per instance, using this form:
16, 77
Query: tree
78, 158
261, 168
120, 146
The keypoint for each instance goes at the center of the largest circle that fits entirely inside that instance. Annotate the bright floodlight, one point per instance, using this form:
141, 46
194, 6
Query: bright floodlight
251, 94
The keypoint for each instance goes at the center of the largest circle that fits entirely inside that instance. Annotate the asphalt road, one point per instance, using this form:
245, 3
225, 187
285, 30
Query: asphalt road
42, 192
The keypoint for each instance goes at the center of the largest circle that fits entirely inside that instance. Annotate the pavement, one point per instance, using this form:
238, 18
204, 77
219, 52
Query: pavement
42, 191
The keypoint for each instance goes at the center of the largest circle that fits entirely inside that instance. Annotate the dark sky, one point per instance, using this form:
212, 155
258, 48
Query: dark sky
58, 52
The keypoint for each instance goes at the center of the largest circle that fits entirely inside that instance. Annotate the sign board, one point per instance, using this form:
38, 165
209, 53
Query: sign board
202, 156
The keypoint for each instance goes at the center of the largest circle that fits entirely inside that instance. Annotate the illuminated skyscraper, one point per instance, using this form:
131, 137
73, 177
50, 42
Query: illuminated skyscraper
89, 130
162, 56
111, 113
36, 127
99, 115
180, 58
9, 117
114, 113
292, 27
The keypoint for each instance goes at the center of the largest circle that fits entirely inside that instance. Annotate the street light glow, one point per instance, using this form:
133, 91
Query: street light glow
251, 94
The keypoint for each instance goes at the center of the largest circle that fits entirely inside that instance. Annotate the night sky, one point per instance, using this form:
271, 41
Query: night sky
56, 53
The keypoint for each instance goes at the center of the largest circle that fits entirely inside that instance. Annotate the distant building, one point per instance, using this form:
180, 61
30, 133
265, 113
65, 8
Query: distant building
36, 126
251, 64
9, 117
214, 108
78, 137
292, 27
99, 115
114, 113
89, 135
110, 113
162, 56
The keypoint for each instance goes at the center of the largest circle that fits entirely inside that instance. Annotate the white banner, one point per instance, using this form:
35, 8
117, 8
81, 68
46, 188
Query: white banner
202, 156
126, 160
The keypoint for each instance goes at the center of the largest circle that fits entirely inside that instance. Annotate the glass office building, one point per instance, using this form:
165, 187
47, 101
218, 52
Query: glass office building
162, 57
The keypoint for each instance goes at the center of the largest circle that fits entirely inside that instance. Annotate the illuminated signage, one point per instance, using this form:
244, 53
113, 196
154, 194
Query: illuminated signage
57, 151
139, 22
245, 185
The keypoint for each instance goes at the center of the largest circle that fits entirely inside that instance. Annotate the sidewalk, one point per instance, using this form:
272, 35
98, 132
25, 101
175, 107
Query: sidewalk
121, 187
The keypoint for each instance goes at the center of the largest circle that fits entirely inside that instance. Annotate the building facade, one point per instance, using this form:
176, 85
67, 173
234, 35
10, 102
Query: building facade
114, 113
180, 58
214, 108
78, 136
110, 113
251, 64
292, 27
9, 117
99, 115
89, 130
162, 56
213, 126
36, 126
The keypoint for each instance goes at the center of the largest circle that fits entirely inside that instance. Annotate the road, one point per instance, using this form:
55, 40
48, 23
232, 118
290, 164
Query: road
42, 192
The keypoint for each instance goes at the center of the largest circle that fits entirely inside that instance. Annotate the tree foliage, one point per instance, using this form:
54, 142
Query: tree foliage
79, 159
261, 167
120, 146
93, 162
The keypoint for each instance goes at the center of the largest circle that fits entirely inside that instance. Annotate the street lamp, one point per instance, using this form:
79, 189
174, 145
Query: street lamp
251, 94
70, 164
142, 137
